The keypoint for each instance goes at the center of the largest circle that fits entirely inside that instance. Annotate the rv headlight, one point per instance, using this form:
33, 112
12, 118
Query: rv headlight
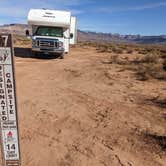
35, 42
60, 44
33, 38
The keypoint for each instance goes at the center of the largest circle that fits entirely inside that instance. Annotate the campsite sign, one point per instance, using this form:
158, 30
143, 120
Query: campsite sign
8, 107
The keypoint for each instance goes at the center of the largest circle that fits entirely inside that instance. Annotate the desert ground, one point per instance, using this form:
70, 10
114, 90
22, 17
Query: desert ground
86, 111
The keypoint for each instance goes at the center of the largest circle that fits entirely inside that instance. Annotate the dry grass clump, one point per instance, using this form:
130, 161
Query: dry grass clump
105, 47
117, 50
164, 64
151, 66
143, 51
115, 59
163, 53
159, 102
129, 51
149, 63
109, 48
149, 59
155, 140
88, 43
102, 48
148, 71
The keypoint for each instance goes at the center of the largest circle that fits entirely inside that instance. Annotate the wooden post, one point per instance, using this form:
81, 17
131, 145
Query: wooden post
8, 105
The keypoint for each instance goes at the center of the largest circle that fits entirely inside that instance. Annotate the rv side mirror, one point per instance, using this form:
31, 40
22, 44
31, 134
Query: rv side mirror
71, 35
27, 33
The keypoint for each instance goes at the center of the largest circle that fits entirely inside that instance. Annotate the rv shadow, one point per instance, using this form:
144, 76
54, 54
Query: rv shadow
27, 53
22, 52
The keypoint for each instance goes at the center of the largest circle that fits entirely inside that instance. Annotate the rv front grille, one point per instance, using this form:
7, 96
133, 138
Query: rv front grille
48, 44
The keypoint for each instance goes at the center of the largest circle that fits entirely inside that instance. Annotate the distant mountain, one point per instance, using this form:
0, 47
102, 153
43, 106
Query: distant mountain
108, 37
15, 28
151, 39
93, 36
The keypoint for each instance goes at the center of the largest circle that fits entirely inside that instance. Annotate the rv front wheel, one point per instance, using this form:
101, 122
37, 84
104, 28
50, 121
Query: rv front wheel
61, 56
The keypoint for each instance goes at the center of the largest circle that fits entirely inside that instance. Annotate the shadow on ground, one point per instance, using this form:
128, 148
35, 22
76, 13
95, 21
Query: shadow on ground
27, 53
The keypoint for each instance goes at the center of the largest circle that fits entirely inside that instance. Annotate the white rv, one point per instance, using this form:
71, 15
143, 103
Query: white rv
52, 31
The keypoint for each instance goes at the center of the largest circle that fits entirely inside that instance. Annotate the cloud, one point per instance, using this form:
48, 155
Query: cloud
149, 6
134, 8
17, 11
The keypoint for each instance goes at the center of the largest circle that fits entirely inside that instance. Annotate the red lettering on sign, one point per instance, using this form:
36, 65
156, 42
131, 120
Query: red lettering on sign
10, 134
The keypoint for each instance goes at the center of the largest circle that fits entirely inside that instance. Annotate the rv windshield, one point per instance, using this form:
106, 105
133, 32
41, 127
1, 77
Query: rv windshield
50, 31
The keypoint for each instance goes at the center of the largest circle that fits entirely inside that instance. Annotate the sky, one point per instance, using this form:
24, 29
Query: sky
144, 17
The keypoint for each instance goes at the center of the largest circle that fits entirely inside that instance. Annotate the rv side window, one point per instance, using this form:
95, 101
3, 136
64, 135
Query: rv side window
50, 31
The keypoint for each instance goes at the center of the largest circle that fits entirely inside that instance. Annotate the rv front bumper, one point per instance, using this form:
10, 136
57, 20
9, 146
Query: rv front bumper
48, 51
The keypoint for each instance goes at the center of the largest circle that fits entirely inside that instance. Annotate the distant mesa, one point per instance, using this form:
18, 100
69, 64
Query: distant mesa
20, 29
15, 28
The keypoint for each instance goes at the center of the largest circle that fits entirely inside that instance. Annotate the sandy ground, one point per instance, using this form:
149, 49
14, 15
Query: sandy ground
81, 111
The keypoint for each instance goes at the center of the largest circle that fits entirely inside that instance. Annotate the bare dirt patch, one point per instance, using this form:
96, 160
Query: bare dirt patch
82, 112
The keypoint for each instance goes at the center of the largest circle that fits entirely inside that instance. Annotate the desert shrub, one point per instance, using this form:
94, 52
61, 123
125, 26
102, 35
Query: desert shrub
114, 59
158, 102
164, 65
150, 58
150, 70
86, 43
163, 53
148, 67
102, 48
143, 51
160, 75
117, 50
155, 140
129, 51
151, 66
121, 46
143, 72
137, 49
109, 47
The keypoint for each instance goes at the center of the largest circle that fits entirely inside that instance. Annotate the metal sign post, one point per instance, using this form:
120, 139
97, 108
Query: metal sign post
8, 107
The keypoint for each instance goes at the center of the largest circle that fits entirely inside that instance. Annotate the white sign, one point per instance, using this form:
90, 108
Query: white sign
8, 109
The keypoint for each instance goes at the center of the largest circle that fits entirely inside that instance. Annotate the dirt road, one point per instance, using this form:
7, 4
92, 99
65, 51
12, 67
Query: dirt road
83, 111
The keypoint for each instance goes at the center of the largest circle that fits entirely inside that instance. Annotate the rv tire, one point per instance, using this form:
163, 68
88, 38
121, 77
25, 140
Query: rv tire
61, 56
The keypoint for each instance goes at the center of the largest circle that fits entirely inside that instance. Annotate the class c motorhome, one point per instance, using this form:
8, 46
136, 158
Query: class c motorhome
52, 31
